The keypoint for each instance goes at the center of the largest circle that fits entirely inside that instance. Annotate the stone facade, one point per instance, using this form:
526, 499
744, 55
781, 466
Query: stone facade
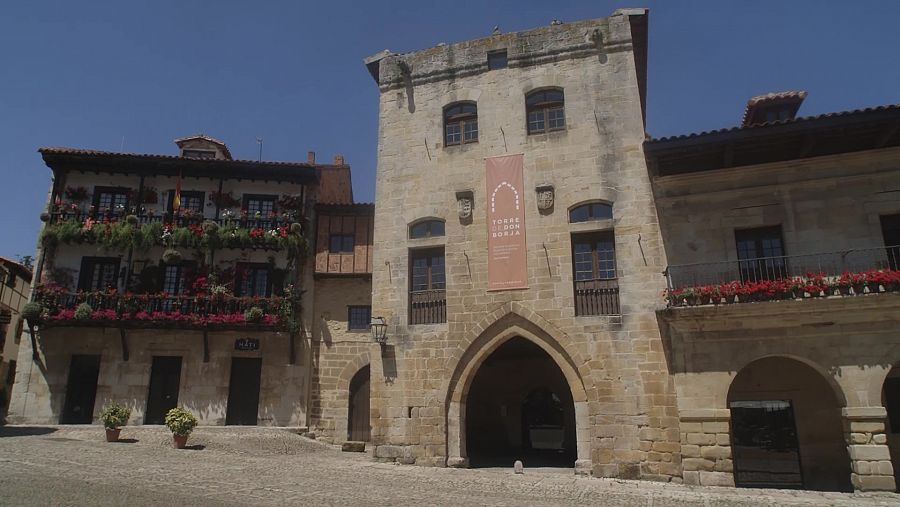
626, 420
829, 211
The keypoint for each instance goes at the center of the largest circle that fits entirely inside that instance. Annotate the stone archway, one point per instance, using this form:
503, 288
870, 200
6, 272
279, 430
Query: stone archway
492, 337
786, 427
519, 407
890, 399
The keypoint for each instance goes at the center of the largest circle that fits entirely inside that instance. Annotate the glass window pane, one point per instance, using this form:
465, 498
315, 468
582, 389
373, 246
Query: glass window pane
436, 228
437, 271
471, 130
536, 121
453, 133
579, 214
557, 118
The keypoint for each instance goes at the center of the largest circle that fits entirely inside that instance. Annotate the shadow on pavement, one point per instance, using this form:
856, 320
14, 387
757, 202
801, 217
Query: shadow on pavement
24, 431
126, 441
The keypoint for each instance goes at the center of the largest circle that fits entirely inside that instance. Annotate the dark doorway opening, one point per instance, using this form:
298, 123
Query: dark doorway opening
890, 397
243, 391
764, 440
81, 389
520, 406
358, 428
162, 396
786, 428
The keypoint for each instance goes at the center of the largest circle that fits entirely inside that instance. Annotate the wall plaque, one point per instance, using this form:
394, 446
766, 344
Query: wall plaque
246, 344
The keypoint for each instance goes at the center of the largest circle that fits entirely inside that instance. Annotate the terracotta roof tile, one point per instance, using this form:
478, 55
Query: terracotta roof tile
802, 119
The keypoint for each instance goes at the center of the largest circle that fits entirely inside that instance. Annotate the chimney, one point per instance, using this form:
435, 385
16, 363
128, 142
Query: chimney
338, 159
310, 157
772, 108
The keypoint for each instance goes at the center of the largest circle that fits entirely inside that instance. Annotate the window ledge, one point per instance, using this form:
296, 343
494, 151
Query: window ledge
428, 241
592, 225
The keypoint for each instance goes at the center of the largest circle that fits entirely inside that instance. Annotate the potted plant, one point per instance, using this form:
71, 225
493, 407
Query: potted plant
181, 423
114, 416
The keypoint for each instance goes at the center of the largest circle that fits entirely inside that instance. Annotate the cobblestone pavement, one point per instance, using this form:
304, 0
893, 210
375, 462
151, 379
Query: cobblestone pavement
72, 465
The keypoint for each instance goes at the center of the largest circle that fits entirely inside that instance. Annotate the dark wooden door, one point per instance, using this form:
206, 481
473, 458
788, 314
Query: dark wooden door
358, 424
165, 379
81, 389
243, 391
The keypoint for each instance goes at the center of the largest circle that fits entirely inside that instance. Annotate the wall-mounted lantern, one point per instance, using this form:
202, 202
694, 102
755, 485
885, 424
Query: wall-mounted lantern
378, 326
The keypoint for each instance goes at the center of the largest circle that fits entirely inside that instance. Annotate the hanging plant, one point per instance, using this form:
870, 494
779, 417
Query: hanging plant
292, 202
76, 194
151, 196
171, 256
224, 200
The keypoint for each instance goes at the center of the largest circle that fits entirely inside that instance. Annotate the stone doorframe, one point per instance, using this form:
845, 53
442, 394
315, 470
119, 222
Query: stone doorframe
498, 328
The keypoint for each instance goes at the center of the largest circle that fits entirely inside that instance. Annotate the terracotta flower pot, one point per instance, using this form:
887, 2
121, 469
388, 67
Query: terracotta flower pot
179, 441
112, 434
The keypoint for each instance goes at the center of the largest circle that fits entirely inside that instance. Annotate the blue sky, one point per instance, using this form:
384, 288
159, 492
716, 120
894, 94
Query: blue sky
103, 74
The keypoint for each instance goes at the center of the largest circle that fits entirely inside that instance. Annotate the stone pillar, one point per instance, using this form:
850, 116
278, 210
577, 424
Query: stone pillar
706, 447
870, 457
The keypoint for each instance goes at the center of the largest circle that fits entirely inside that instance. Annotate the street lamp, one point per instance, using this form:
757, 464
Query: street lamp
378, 326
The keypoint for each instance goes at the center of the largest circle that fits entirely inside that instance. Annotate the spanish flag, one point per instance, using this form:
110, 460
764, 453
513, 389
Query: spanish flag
176, 200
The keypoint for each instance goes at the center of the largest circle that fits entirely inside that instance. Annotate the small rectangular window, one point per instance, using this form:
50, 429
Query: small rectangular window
359, 317
340, 243
497, 59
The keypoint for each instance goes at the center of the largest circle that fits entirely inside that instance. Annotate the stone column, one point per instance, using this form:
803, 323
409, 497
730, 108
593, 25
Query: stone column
706, 447
870, 457
456, 427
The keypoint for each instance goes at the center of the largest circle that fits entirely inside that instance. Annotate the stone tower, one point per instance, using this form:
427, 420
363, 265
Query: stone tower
543, 345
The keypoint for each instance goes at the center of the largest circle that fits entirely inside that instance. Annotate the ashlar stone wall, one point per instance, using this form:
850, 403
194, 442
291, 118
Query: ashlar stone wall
626, 419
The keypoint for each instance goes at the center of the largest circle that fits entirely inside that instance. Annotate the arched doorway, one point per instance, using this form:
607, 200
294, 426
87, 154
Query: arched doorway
519, 406
358, 428
786, 429
890, 399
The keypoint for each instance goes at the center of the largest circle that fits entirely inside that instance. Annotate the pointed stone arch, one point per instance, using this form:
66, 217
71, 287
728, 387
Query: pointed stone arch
509, 321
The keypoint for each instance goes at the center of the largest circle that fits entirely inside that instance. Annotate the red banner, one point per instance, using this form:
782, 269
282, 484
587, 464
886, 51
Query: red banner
507, 263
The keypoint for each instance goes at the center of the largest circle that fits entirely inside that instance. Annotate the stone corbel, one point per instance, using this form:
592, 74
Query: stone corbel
123, 338
205, 346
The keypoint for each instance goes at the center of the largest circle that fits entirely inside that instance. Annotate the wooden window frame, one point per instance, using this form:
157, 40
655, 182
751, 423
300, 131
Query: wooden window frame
460, 119
111, 190
246, 198
189, 194
427, 305
242, 268
358, 328
85, 280
756, 268
545, 107
343, 236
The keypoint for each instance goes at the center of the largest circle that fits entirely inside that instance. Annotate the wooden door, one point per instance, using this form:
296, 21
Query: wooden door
358, 424
81, 389
162, 396
243, 391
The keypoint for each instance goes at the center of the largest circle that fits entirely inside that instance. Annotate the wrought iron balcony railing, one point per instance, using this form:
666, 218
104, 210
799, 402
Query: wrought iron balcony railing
177, 219
783, 277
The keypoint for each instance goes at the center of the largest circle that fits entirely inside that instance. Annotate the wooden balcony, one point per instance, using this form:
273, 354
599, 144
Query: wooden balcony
427, 306
111, 309
597, 297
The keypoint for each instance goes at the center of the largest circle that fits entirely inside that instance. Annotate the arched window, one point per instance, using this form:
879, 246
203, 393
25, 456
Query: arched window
460, 123
546, 111
590, 211
426, 229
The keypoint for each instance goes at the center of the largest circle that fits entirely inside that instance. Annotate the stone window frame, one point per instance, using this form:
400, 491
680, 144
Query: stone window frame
460, 120
546, 107
590, 218
427, 221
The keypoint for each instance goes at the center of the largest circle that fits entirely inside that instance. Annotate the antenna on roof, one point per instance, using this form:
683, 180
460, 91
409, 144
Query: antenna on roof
259, 141
122, 148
